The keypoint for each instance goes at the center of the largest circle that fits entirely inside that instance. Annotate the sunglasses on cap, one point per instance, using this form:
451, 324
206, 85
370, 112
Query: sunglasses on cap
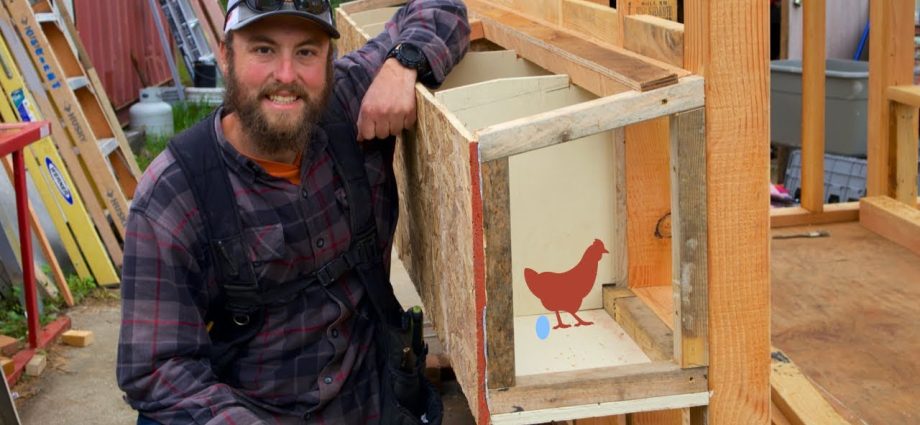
314, 7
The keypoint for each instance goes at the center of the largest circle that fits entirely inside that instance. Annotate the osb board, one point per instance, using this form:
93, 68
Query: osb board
562, 198
845, 310
435, 233
603, 344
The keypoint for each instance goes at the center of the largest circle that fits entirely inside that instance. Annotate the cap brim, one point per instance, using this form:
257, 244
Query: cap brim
246, 17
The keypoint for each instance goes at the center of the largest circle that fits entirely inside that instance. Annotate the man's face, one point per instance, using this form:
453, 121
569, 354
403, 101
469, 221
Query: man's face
278, 78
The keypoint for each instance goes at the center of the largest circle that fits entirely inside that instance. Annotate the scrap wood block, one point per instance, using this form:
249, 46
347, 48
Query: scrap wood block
8, 366
77, 338
36, 365
9, 345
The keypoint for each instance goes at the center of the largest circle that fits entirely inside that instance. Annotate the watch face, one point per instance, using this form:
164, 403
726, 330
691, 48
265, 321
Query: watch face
410, 53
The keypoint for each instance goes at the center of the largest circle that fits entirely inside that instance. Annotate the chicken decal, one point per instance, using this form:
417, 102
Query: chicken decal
565, 291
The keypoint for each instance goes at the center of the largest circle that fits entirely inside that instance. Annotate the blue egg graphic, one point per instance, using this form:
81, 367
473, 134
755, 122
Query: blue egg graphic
542, 327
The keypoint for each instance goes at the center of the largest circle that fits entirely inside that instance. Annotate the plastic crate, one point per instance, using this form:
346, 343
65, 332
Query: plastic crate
844, 178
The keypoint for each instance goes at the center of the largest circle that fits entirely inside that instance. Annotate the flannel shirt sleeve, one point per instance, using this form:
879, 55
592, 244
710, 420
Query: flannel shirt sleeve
163, 350
438, 27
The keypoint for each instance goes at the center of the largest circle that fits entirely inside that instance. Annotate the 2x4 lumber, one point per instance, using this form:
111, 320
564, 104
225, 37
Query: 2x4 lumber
591, 65
907, 95
594, 386
587, 118
654, 37
737, 143
813, 88
891, 63
903, 162
892, 219
796, 398
831, 213
652, 404
689, 239
592, 20
496, 199
476, 31
662, 8
645, 328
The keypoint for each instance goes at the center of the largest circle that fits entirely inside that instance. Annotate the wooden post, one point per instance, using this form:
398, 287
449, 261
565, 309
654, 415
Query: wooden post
813, 82
903, 159
891, 61
737, 140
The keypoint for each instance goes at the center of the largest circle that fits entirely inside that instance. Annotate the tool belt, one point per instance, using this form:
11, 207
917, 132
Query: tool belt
407, 398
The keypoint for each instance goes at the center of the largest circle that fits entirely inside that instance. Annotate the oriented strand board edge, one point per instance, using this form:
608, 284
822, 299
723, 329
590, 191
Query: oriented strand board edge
894, 220
603, 409
795, 396
496, 211
576, 121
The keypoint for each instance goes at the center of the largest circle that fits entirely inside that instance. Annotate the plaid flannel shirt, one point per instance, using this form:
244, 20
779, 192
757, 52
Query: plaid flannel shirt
310, 352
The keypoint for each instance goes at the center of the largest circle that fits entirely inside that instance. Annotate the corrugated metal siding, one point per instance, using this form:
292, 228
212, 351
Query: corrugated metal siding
113, 30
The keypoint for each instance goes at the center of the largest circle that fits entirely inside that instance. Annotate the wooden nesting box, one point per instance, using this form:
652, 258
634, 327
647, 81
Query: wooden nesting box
513, 220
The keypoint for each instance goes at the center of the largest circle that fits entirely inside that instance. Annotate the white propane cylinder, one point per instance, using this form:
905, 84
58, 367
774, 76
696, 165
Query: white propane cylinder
152, 114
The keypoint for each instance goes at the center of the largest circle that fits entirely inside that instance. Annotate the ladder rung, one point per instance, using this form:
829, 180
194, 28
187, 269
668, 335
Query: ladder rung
76, 83
46, 17
107, 146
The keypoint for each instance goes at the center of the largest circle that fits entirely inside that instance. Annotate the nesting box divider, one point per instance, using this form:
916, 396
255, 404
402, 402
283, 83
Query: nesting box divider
501, 122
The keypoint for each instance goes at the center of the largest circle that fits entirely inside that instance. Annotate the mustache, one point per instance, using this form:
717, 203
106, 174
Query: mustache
290, 88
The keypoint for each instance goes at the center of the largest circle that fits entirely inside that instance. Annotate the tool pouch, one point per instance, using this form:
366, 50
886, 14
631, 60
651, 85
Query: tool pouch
407, 397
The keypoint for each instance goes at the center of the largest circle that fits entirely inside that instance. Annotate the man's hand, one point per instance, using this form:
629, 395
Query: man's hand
388, 107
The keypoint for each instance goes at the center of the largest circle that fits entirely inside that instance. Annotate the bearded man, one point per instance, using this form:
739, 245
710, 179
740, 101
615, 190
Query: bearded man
257, 247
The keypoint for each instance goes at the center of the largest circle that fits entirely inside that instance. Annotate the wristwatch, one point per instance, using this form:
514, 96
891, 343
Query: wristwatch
410, 56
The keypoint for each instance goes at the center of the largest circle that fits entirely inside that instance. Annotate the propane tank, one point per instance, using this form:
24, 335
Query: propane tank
152, 114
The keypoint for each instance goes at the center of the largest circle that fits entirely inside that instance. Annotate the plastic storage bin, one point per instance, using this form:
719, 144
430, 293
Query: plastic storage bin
846, 94
844, 178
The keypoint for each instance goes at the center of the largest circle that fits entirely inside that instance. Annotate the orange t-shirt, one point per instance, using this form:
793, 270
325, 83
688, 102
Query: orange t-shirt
289, 172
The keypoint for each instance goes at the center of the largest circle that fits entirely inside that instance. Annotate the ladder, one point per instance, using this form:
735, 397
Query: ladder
77, 99
52, 180
193, 37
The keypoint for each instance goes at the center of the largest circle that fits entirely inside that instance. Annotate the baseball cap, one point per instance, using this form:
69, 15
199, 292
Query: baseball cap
244, 12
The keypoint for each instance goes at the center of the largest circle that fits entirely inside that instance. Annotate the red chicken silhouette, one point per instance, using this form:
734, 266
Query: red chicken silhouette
565, 291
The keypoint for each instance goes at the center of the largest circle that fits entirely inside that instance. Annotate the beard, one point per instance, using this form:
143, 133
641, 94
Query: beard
281, 132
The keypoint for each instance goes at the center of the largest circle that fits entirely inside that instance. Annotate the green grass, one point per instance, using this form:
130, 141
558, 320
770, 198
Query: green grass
13, 317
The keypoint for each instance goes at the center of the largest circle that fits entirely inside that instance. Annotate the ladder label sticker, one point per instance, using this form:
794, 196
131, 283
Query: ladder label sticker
58, 180
40, 52
22, 105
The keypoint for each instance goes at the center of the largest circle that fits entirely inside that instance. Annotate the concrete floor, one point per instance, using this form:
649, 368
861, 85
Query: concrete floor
78, 387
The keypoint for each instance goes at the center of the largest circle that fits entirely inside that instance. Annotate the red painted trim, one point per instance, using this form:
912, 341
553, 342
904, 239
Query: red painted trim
479, 273
45, 338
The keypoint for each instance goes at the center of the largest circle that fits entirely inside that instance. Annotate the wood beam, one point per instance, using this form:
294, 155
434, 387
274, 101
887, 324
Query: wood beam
831, 213
654, 37
813, 81
891, 63
601, 69
689, 239
592, 20
737, 139
894, 220
587, 118
645, 328
798, 401
593, 386
908, 95
903, 161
